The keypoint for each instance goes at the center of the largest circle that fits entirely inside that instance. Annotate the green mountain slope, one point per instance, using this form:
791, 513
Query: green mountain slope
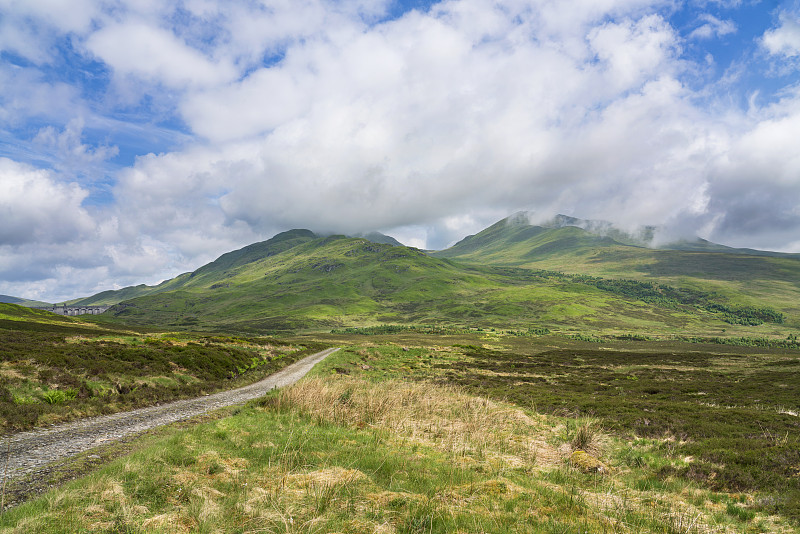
512, 242
219, 269
14, 317
7, 299
701, 245
335, 281
17, 312
112, 296
318, 281
377, 237
742, 276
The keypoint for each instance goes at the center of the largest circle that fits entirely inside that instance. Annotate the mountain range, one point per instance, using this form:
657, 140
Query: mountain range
568, 274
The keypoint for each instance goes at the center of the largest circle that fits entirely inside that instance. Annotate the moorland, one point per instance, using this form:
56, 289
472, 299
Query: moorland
529, 379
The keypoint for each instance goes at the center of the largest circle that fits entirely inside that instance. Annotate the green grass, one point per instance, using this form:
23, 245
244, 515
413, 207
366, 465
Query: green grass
355, 449
351, 455
61, 370
511, 275
733, 410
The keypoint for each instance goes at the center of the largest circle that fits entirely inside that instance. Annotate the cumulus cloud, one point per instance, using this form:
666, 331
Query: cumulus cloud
754, 188
26, 95
156, 55
428, 126
30, 28
785, 39
36, 208
455, 113
633, 50
70, 154
414, 121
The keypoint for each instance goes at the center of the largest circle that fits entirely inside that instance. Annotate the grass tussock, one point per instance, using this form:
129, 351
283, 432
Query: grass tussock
586, 434
445, 417
360, 450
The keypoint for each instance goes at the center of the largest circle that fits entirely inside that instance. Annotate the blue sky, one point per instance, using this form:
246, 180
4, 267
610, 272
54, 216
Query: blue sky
142, 139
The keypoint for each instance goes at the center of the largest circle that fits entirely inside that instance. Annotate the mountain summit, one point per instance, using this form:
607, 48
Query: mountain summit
505, 240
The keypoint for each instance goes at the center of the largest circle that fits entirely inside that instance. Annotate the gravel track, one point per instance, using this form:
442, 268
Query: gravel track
29, 452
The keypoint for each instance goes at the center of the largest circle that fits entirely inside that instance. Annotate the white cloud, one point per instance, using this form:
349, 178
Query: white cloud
754, 188
156, 55
431, 116
785, 39
311, 114
28, 28
66, 15
24, 94
71, 156
712, 27
634, 50
34, 207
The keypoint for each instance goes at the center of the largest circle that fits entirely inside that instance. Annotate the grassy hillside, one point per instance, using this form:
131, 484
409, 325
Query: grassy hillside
213, 271
514, 242
770, 279
220, 268
510, 275
6, 299
333, 282
112, 296
17, 317
324, 281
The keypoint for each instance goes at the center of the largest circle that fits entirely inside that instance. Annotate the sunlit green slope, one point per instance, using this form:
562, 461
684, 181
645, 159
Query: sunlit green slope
304, 282
7, 299
212, 271
22, 318
219, 268
742, 276
16, 312
332, 281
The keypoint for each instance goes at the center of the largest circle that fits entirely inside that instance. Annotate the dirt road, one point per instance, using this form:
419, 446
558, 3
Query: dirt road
33, 451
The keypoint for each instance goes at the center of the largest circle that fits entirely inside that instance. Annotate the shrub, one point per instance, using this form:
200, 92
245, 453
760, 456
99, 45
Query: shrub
54, 396
587, 436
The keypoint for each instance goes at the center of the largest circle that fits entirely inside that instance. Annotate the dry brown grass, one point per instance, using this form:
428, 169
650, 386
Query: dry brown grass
267, 470
446, 418
588, 436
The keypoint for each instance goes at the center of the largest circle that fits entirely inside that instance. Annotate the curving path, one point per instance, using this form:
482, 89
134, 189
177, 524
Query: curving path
32, 451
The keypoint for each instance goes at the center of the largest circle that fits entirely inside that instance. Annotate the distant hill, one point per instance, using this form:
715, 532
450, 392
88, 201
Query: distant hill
377, 237
18, 312
16, 317
6, 299
514, 240
296, 279
577, 246
645, 236
225, 263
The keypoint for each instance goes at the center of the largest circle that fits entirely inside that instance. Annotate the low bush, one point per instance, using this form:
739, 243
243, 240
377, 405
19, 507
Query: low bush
74, 376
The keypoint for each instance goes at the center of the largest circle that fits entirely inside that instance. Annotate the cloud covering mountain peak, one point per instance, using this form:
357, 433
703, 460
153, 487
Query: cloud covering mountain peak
208, 125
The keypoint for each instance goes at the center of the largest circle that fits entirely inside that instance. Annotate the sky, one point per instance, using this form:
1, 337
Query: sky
142, 139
